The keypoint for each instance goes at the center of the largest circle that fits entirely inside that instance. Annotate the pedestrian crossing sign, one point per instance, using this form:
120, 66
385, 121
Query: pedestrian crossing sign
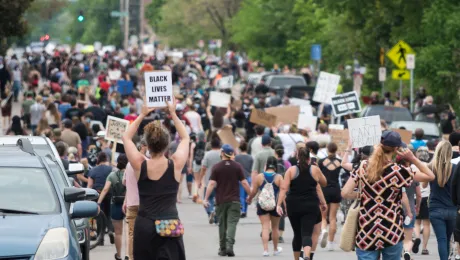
401, 74
398, 54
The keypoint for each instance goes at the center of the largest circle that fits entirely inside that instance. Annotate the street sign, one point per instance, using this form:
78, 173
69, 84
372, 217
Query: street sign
118, 14
410, 63
382, 74
315, 52
401, 74
398, 54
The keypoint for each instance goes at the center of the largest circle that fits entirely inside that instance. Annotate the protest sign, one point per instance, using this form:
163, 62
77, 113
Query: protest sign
364, 131
226, 136
406, 135
326, 87
340, 138
114, 74
259, 117
305, 107
286, 115
347, 103
336, 127
225, 82
236, 91
307, 122
219, 99
115, 128
158, 88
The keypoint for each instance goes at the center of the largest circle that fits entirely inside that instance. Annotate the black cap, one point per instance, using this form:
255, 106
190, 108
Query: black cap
392, 139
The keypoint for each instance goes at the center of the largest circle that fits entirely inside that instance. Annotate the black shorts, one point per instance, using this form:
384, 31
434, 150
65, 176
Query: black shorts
319, 218
261, 212
332, 195
424, 212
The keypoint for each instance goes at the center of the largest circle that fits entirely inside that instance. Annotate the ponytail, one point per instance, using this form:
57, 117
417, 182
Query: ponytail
377, 161
303, 157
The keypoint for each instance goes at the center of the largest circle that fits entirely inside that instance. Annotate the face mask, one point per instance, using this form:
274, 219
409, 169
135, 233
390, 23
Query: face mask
88, 120
98, 144
256, 101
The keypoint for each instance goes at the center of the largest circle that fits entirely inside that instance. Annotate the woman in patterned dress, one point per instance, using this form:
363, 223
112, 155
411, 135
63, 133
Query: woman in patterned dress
380, 226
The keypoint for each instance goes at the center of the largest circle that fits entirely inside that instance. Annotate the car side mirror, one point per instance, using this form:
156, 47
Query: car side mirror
72, 194
91, 194
84, 209
75, 168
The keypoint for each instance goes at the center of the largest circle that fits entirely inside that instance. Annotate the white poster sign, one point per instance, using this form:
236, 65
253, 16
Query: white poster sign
326, 87
219, 99
225, 82
114, 74
382, 74
307, 122
158, 88
115, 128
305, 107
336, 127
410, 61
364, 131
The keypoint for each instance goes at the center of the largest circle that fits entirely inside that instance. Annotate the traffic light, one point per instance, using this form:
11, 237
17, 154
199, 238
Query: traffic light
81, 17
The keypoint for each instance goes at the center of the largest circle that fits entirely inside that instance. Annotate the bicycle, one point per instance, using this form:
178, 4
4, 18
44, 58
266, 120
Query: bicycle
98, 229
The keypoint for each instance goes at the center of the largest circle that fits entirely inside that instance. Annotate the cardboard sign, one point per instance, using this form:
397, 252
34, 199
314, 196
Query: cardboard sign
225, 82
326, 87
226, 136
158, 88
336, 127
345, 104
307, 122
115, 128
364, 131
259, 117
406, 135
219, 99
340, 138
286, 115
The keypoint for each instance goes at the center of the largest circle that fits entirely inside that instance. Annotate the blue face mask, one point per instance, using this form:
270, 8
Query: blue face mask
88, 120
255, 101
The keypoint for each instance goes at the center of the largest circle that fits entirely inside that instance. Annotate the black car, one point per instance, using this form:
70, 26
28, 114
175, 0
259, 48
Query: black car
388, 113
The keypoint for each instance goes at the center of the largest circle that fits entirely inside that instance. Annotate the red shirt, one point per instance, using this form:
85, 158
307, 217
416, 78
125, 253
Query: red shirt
131, 117
105, 86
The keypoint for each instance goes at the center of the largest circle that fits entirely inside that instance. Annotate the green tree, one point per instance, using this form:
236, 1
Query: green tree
11, 20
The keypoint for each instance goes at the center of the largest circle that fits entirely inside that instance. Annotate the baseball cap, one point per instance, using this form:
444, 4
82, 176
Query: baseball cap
266, 140
67, 123
392, 139
228, 150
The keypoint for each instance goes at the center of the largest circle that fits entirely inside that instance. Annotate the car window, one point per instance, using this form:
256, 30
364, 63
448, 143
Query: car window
59, 176
283, 81
389, 114
430, 130
27, 189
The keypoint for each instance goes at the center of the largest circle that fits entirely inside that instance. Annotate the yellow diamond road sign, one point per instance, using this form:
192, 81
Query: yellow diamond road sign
400, 74
398, 54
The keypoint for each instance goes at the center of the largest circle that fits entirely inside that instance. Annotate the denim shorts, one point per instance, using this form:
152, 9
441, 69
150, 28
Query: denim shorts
412, 223
389, 253
116, 211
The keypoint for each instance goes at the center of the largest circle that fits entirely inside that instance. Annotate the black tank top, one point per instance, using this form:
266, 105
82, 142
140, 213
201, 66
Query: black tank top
332, 176
158, 198
302, 192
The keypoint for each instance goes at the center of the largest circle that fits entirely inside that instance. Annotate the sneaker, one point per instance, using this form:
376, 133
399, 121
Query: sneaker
190, 196
278, 251
281, 240
330, 246
416, 245
457, 257
211, 217
407, 256
324, 234
243, 215
126, 257
425, 252
222, 252
230, 252
266, 254
112, 238
117, 257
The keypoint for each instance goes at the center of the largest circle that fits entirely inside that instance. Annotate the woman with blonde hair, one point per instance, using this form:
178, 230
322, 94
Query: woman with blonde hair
381, 181
53, 116
442, 210
42, 126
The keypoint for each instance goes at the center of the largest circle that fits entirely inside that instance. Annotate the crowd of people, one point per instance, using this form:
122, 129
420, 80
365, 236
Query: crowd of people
285, 171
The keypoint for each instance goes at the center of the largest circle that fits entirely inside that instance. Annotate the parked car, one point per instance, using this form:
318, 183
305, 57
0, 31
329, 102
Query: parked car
285, 80
36, 216
387, 113
43, 146
431, 130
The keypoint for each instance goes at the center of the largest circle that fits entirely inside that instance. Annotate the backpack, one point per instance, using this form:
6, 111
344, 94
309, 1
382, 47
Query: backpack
118, 190
199, 151
267, 199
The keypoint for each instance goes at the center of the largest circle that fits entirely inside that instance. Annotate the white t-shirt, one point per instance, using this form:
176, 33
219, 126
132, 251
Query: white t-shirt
194, 119
289, 143
256, 146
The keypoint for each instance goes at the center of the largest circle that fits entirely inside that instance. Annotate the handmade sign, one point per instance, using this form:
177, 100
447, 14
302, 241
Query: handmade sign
340, 138
226, 136
158, 88
115, 128
336, 127
364, 131
347, 103
286, 115
307, 122
259, 117
225, 82
219, 99
326, 87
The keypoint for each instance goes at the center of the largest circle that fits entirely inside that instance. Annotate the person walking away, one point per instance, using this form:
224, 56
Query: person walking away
255, 144
193, 117
442, 210
36, 112
199, 150
268, 184
371, 175
210, 159
418, 142
158, 230
114, 183
97, 177
53, 116
26, 104
17, 79
330, 167
246, 161
7, 106
283, 165
227, 175
16, 128
302, 201
260, 160
71, 137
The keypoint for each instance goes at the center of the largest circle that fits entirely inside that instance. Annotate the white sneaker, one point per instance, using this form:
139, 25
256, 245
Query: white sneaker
190, 196
457, 257
323, 238
265, 254
330, 246
278, 251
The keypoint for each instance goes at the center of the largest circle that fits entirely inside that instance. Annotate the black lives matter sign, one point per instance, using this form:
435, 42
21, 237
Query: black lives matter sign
158, 88
347, 103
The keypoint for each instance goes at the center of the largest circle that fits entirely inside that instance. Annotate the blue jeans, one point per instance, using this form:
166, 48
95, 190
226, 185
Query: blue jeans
211, 200
443, 222
389, 253
243, 195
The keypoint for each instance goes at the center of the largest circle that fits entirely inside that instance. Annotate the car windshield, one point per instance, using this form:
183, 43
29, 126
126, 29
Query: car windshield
389, 114
283, 81
27, 189
430, 130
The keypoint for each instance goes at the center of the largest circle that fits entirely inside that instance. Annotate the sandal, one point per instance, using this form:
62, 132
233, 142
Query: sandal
425, 252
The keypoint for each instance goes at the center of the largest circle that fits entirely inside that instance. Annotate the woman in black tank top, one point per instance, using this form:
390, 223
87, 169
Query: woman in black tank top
158, 183
302, 201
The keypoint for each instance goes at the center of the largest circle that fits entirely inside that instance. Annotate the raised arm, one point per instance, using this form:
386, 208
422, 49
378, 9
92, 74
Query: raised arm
181, 155
424, 174
345, 164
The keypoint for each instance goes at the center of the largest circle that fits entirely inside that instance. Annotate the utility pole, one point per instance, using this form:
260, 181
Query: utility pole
141, 24
125, 42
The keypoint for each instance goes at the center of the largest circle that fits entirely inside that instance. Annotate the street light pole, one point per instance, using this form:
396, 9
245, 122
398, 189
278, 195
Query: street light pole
141, 24
125, 42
